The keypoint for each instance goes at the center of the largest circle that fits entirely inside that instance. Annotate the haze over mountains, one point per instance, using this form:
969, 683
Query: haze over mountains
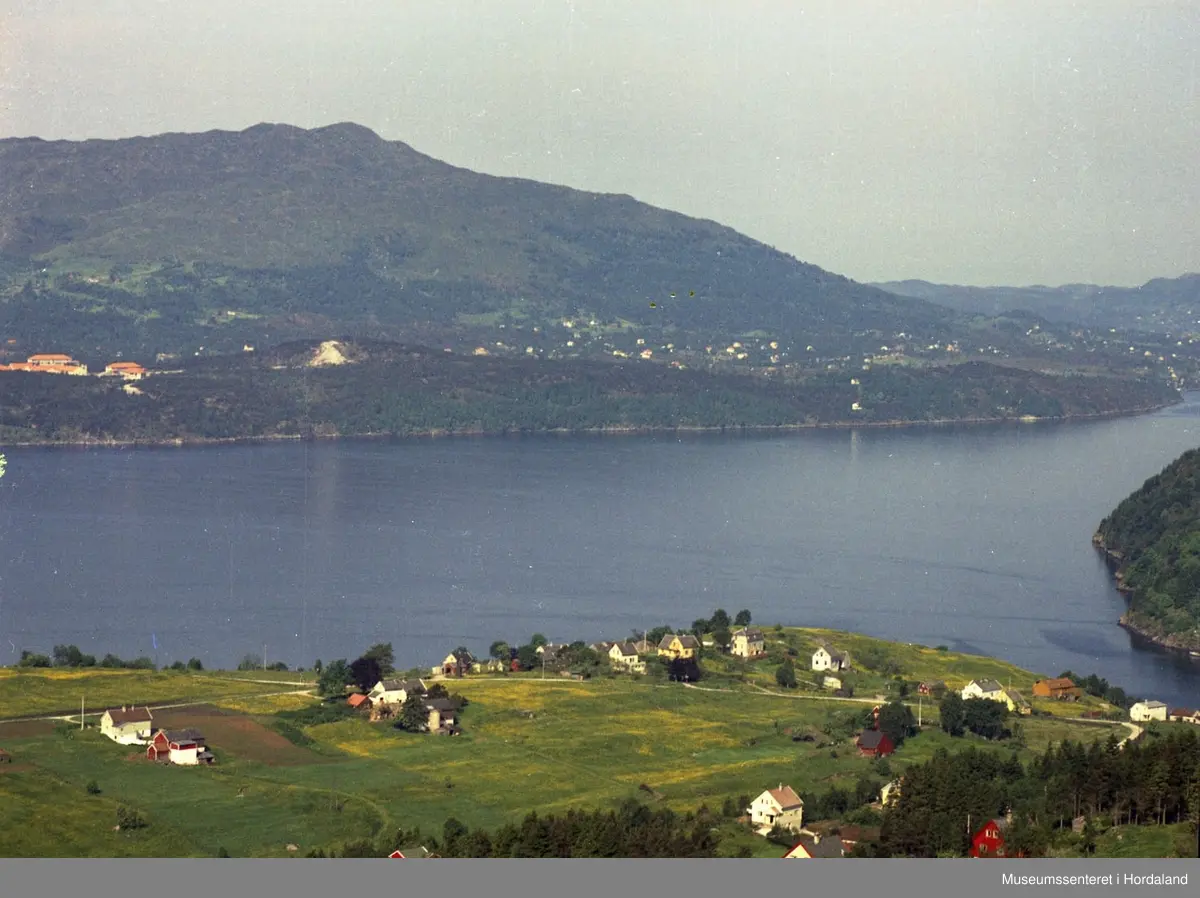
1162, 304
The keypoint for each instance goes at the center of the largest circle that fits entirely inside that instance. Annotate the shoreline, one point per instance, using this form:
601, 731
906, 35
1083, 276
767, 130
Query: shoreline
1167, 645
618, 430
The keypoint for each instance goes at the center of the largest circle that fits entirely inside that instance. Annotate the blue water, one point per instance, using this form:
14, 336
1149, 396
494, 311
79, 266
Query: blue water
976, 538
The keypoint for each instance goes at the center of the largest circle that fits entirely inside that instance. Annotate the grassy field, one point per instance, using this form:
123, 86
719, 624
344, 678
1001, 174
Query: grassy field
529, 743
37, 691
548, 744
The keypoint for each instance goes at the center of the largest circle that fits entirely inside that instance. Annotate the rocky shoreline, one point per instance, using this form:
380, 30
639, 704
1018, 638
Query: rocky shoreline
1127, 621
620, 430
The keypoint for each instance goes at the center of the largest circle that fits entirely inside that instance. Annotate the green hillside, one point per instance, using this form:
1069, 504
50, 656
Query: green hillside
1153, 538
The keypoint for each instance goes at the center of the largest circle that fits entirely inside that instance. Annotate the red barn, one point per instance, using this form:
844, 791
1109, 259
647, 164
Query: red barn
989, 841
874, 744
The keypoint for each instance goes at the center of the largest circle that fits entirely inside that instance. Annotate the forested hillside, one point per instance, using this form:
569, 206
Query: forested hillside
1153, 537
388, 389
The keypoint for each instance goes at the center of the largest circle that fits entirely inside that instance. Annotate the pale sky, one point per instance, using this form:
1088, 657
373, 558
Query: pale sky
1008, 142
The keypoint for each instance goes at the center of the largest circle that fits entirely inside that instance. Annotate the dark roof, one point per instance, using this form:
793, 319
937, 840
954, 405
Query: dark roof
131, 715
441, 704
688, 641
626, 648
751, 633
463, 657
830, 846
185, 735
871, 739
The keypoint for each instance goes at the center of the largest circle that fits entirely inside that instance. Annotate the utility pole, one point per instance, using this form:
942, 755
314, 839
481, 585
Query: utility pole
264, 656
81, 712
918, 710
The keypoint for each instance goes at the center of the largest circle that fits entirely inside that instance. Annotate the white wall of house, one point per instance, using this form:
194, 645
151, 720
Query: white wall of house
1146, 711
765, 811
821, 660
188, 757
126, 734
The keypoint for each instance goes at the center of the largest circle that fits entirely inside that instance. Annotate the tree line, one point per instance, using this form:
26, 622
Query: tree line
946, 799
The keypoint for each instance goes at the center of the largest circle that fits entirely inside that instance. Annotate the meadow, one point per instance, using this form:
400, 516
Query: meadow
529, 743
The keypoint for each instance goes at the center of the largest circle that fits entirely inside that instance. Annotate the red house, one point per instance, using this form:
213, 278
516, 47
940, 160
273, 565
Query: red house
989, 841
874, 744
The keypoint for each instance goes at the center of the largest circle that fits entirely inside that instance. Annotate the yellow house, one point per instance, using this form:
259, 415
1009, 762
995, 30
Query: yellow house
679, 645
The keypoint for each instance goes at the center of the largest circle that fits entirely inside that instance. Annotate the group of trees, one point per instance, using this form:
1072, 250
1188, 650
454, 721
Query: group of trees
980, 716
718, 626
73, 656
376, 663
942, 802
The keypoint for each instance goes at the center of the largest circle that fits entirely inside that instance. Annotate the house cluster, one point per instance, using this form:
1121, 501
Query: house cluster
388, 696
57, 363
992, 691
135, 726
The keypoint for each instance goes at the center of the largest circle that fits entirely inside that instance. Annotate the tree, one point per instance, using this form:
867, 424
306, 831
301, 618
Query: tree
952, 713
722, 637
742, 619
383, 655
654, 636
700, 626
896, 721
250, 662
785, 674
500, 650
70, 656
195, 664
365, 673
537, 639
413, 716
452, 832
528, 657
986, 718
720, 619
31, 659
334, 678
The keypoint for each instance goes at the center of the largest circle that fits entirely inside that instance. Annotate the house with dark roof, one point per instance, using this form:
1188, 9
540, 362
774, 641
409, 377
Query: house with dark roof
777, 807
989, 689
679, 645
624, 655
395, 691
748, 642
443, 716
127, 726
183, 747
825, 658
874, 744
457, 663
1184, 715
816, 846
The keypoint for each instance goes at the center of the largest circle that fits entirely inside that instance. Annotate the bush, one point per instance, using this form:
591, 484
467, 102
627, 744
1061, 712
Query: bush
130, 818
93, 787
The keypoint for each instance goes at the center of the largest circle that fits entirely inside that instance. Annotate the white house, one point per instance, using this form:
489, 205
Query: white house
127, 726
777, 807
989, 689
824, 659
889, 793
624, 655
1148, 711
395, 691
748, 643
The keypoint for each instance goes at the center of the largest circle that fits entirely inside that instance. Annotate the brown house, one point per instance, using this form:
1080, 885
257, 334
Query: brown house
1058, 688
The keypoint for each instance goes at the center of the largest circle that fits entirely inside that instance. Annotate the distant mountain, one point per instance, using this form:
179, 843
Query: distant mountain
1161, 305
277, 232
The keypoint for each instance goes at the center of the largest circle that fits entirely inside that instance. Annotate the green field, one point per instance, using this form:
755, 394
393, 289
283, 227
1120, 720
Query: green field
28, 692
529, 743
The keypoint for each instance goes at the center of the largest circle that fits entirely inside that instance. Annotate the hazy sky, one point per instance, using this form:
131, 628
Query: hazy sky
1009, 142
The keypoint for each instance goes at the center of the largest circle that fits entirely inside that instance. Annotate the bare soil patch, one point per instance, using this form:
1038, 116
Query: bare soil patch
238, 735
24, 729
